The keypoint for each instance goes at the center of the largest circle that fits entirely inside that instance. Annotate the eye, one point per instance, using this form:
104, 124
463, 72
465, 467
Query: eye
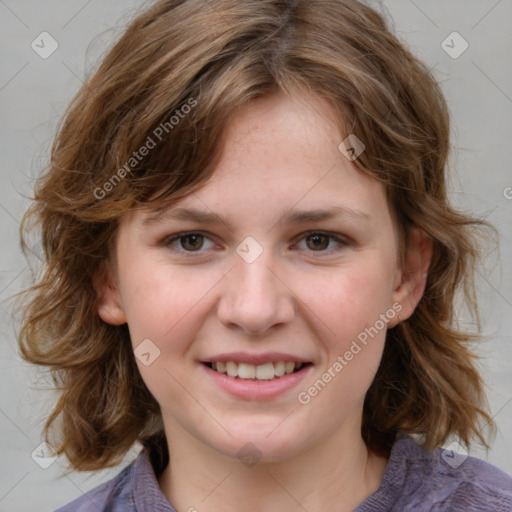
194, 241
188, 242
318, 241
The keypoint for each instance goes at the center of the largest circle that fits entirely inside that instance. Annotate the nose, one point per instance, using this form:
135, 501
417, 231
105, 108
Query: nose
255, 298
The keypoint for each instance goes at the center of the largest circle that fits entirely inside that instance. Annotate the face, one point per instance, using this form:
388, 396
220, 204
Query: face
260, 283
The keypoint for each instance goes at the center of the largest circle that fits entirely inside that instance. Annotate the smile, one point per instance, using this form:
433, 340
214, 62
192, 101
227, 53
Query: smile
262, 381
265, 371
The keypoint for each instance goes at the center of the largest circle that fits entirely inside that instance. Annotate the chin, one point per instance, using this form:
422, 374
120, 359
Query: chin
255, 445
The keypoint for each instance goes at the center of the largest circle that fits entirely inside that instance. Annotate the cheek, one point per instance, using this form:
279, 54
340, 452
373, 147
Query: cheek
352, 305
153, 301
163, 303
348, 299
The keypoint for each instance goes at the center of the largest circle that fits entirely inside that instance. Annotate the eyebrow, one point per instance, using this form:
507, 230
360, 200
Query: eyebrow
290, 217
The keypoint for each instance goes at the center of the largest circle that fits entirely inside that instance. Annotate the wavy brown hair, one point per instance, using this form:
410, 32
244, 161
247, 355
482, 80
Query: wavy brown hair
214, 57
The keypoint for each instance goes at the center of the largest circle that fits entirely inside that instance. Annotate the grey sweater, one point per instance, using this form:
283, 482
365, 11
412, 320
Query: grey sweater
413, 481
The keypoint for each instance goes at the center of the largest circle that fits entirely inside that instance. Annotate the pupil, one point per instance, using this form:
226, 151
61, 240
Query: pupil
194, 239
316, 238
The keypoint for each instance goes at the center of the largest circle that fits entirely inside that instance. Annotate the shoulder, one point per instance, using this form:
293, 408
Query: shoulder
444, 481
116, 495
475, 485
134, 489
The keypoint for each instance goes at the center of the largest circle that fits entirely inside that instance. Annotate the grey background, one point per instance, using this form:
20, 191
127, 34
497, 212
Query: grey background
34, 93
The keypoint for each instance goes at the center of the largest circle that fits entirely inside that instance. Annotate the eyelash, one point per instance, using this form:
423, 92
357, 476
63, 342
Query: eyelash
168, 240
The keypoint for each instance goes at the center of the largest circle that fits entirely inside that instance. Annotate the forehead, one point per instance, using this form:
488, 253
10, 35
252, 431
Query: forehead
282, 150
285, 129
280, 155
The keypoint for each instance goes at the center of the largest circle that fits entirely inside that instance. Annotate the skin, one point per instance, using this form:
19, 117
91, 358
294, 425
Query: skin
281, 154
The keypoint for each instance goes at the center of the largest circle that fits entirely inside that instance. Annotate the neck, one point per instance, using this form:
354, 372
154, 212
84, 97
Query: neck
337, 474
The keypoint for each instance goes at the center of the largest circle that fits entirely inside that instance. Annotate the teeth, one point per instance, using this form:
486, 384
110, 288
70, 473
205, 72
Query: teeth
279, 369
232, 369
263, 371
246, 371
267, 371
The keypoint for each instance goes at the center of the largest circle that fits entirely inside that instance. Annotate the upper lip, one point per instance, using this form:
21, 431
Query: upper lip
256, 359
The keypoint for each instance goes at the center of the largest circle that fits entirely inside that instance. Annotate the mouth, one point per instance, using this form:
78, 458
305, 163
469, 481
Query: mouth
261, 372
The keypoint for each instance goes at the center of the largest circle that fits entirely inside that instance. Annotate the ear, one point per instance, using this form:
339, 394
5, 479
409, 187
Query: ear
412, 279
110, 308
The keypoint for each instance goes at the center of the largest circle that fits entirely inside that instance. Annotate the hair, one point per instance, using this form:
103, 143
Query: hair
200, 63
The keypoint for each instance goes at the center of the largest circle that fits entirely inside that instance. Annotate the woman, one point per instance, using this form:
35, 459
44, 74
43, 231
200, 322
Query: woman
251, 270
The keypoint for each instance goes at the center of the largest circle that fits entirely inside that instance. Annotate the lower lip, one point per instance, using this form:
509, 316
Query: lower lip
257, 389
